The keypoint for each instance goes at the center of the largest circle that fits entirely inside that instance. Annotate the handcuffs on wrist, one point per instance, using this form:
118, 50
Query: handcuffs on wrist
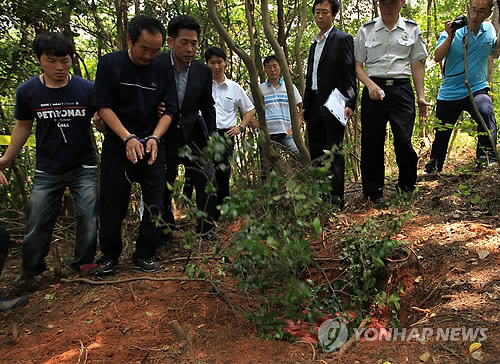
142, 141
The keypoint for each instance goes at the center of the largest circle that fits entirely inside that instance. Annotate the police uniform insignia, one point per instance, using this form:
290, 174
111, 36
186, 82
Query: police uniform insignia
405, 36
411, 21
369, 22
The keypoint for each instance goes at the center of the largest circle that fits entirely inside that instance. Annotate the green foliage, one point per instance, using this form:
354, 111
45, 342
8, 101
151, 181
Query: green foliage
472, 193
393, 302
364, 251
271, 251
272, 248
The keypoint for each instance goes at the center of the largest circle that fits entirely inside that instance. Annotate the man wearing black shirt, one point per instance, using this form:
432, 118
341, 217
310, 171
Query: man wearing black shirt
129, 86
60, 103
193, 81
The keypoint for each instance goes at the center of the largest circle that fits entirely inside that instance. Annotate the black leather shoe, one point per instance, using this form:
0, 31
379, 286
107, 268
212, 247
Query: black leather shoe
378, 202
146, 265
107, 266
337, 206
6, 305
210, 236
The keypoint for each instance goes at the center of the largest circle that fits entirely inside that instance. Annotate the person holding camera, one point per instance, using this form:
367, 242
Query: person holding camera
453, 96
388, 51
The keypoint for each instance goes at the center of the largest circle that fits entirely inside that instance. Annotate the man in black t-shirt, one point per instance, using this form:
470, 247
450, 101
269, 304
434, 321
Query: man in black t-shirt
65, 156
129, 85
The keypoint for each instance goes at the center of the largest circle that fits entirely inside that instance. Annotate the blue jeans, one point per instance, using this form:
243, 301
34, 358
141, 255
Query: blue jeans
287, 141
43, 209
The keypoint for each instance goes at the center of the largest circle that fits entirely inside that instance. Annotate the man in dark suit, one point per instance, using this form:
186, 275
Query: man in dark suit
193, 82
330, 66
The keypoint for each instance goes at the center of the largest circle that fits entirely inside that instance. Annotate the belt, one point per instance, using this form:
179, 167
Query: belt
390, 81
223, 130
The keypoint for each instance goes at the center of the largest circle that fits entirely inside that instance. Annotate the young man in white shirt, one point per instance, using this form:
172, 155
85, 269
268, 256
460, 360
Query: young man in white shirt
228, 97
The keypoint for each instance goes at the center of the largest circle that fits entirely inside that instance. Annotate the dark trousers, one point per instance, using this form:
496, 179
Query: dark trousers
448, 112
4, 246
325, 132
200, 173
117, 176
223, 168
397, 107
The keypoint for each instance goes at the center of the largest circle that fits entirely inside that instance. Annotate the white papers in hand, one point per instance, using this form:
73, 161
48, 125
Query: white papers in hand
336, 105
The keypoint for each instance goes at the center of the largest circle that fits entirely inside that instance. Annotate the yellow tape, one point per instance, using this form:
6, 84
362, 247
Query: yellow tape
5, 140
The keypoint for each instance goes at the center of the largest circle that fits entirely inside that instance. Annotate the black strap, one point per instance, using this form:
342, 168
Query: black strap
446, 59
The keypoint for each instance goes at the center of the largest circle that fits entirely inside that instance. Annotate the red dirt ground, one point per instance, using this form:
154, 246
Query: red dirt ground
452, 280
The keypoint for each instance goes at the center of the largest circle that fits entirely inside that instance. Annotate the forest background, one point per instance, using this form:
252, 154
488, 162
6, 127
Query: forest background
99, 26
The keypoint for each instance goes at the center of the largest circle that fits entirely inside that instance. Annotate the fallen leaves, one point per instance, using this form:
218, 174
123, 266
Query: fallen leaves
475, 351
481, 229
483, 254
425, 357
474, 346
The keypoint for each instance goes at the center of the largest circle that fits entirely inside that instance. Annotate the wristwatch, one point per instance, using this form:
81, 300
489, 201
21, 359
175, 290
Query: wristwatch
242, 129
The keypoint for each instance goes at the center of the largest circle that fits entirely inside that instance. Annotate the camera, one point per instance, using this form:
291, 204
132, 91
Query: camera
459, 22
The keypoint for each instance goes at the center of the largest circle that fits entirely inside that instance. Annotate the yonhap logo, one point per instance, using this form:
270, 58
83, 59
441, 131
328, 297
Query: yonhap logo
332, 334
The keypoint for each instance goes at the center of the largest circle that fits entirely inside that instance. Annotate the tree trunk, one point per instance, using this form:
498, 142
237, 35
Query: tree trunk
341, 17
429, 21
99, 28
254, 39
68, 34
281, 28
298, 40
121, 7
495, 22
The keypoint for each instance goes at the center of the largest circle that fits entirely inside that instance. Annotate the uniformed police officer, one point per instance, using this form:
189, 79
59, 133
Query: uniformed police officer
392, 49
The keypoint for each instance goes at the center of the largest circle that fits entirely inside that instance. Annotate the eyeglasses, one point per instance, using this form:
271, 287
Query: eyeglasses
481, 12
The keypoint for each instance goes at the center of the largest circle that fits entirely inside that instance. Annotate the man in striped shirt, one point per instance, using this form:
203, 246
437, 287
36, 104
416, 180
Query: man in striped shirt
276, 104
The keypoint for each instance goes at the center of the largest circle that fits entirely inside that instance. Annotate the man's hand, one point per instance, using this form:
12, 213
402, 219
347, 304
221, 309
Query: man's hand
348, 113
233, 131
448, 28
134, 150
99, 123
301, 114
422, 107
375, 92
160, 109
4, 162
3, 180
152, 149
